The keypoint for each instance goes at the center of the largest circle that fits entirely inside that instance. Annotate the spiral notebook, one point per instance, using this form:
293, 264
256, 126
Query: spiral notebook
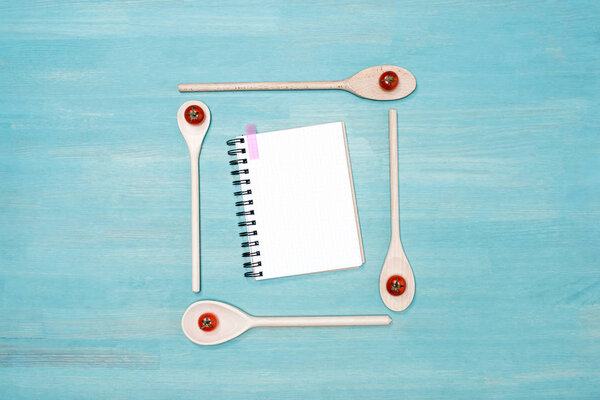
296, 198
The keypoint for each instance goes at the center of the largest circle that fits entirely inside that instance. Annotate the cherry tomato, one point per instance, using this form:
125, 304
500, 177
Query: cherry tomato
388, 80
208, 321
194, 115
396, 285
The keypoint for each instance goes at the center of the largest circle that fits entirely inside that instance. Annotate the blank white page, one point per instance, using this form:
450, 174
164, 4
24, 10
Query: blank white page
303, 202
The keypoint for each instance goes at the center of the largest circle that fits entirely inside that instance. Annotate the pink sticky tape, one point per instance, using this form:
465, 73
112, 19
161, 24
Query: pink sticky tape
252, 143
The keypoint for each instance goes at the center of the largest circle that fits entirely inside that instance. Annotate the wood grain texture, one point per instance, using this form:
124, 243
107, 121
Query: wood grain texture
364, 83
194, 136
499, 153
395, 263
232, 322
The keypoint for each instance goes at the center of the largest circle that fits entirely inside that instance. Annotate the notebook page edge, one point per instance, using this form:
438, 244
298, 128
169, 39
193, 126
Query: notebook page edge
358, 232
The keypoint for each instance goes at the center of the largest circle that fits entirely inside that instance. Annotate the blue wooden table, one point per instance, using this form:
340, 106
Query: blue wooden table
499, 198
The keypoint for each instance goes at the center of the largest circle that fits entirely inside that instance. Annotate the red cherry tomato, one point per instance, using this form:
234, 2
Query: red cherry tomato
194, 115
388, 80
396, 285
208, 321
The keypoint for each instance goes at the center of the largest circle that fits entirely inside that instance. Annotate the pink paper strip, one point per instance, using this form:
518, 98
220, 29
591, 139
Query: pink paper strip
252, 143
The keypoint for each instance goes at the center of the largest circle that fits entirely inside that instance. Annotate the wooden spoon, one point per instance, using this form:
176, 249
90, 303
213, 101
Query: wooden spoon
194, 133
227, 322
364, 84
396, 282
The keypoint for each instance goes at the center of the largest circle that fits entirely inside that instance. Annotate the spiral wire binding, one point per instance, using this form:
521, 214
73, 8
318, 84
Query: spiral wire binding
247, 233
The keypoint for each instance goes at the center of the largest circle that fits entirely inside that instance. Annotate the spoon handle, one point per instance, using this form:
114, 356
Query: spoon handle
323, 321
195, 225
393, 126
234, 86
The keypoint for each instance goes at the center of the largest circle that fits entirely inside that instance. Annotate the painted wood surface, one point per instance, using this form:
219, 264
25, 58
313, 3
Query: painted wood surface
500, 217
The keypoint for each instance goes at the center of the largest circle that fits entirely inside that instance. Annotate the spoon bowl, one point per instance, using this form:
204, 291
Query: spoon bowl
232, 322
194, 135
363, 84
366, 83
